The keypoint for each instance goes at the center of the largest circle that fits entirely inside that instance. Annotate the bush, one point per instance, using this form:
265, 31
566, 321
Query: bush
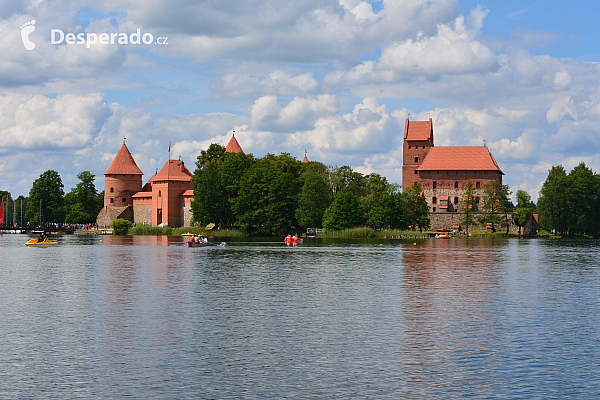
121, 226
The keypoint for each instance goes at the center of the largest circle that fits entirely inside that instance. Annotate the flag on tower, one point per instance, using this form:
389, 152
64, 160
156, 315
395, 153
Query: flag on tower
169, 146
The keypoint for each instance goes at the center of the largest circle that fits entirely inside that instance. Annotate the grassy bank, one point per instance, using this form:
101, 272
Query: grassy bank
168, 231
372, 233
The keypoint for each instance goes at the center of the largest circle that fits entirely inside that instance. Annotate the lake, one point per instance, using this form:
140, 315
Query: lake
107, 317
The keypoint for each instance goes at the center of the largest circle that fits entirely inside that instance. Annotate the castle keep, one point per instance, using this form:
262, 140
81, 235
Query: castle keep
443, 172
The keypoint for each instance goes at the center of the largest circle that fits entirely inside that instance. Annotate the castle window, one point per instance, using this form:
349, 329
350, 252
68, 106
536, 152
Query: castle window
415, 172
433, 209
435, 186
476, 200
416, 159
159, 193
434, 200
456, 200
423, 147
124, 200
456, 185
112, 200
409, 147
478, 185
112, 190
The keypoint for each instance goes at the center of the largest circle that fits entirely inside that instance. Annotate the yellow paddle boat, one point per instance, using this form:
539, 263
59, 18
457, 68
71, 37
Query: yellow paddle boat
188, 234
38, 243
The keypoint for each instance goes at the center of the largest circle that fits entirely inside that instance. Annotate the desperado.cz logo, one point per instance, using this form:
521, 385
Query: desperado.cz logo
57, 36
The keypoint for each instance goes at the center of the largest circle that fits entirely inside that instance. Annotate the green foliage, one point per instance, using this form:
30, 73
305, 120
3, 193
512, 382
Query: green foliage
8, 207
491, 208
522, 213
216, 183
417, 208
268, 195
121, 226
468, 207
46, 199
315, 197
345, 212
81, 203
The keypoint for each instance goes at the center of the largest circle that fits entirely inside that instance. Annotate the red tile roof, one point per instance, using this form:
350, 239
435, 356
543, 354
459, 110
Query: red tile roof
418, 130
123, 163
459, 158
305, 160
173, 170
233, 146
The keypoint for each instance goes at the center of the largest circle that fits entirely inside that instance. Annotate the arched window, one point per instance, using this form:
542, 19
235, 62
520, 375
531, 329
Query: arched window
124, 200
456, 185
478, 185
112, 190
435, 185
111, 200
159, 193
434, 200
456, 200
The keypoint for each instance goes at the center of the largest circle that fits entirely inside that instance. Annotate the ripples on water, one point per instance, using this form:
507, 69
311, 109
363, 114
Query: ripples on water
110, 317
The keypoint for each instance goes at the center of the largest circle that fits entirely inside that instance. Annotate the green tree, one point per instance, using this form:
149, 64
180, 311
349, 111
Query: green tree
523, 211
46, 199
552, 203
345, 212
81, 203
417, 207
468, 206
491, 207
216, 182
268, 195
583, 201
315, 197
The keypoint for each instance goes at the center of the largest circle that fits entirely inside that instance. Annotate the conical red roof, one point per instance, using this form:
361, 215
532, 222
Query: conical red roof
173, 170
123, 163
305, 160
233, 146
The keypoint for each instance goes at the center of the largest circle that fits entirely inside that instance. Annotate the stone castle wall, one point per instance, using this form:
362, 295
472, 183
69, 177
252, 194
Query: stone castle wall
142, 214
447, 220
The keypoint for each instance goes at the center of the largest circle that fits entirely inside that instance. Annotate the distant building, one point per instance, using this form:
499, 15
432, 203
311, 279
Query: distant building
164, 200
443, 172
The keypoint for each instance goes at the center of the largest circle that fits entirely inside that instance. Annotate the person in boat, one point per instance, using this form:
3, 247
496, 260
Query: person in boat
42, 237
288, 239
191, 239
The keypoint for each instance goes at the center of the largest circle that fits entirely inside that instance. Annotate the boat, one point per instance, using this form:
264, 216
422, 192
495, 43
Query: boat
442, 236
188, 234
196, 244
38, 243
292, 240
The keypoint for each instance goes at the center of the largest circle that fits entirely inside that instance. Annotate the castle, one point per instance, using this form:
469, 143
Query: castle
443, 172
164, 200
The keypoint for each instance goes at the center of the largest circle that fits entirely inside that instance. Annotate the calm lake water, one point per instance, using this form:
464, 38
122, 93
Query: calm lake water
108, 317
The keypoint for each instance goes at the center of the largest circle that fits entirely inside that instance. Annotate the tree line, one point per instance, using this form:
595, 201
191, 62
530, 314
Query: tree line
274, 194
48, 203
569, 204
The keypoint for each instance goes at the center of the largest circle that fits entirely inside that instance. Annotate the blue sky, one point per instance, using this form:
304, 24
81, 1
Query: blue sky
334, 77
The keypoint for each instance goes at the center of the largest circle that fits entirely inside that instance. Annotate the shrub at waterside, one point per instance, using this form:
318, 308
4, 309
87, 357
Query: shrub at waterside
121, 226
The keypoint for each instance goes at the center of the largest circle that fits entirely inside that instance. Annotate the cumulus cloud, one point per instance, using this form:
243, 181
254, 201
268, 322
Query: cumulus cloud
36, 122
276, 82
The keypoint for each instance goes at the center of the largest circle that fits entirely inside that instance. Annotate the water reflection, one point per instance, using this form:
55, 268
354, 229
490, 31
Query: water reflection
143, 317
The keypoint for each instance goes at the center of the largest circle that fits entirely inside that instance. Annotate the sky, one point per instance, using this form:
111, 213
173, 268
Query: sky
334, 78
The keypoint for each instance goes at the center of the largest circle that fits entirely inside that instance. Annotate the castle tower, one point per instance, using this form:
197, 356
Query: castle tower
305, 159
122, 179
418, 140
168, 186
233, 146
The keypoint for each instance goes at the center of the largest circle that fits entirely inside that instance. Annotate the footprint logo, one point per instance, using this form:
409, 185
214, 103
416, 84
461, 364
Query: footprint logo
26, 29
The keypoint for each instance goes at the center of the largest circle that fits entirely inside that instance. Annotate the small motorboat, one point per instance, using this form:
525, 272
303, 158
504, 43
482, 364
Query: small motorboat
442, 236
40, 243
